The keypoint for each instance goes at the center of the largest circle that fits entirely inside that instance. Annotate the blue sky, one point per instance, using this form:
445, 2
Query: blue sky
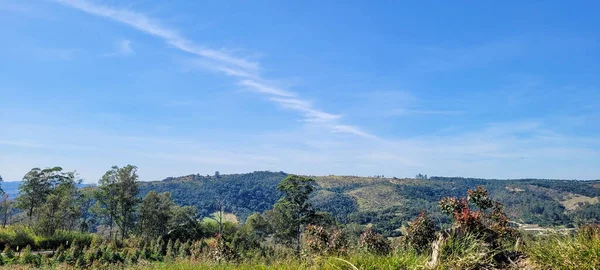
502, 90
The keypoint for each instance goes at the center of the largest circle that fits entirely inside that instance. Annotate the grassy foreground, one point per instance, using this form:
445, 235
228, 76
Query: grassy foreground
579, 251
405, 260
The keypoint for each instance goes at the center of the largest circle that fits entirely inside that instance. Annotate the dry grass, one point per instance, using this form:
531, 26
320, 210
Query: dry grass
572, 201
376, 197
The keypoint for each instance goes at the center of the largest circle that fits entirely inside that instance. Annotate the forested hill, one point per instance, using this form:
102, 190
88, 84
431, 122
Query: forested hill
389, 202
241, 194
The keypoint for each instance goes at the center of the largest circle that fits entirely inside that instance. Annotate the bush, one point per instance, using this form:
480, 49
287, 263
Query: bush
319, 240
374, 243
16, 237
316, 239
67, 238
488, 222
28, 258
420, 233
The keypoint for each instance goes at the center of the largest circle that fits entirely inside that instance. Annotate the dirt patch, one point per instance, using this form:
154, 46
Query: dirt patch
515, 189
573, 201
377, 197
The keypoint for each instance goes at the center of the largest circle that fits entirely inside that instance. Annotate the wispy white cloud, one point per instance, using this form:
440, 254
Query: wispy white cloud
122, 48
266, 89
353, 130
150, 26
401, 112
246, 71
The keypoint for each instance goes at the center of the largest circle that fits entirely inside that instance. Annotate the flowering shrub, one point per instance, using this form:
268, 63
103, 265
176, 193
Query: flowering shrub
318, 240
420, 232
489, 221
374, 242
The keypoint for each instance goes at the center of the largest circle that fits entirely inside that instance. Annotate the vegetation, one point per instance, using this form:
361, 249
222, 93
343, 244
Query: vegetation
387, 203
121, 223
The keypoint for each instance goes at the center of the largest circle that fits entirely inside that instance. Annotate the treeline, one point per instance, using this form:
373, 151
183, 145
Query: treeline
111, 225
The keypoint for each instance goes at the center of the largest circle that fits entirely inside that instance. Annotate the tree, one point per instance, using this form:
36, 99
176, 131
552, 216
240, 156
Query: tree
37, 185
6, 208
117, 196
259, 225
86, 202
155, 213
182, 224
106, 196
218, 216
60, 209
127, 189
293, 211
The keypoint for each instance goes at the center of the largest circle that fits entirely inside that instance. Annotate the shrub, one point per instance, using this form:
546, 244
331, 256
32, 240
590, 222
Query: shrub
316, 239
488, 222
16, 237
170, 254
374, 242
420, 233
338, 241
184, 251
319, 240
28, 258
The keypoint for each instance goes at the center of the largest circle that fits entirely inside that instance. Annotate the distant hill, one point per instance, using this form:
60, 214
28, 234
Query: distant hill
388, 203
12, 188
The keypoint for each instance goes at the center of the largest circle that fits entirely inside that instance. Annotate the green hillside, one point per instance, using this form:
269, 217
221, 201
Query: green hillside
389, 203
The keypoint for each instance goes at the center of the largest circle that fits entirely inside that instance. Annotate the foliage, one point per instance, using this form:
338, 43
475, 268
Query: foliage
49, 195
319, 240
373, 242
488, 221
580, 251
293, 211
18, 236
420, 233
154, 215
117, 197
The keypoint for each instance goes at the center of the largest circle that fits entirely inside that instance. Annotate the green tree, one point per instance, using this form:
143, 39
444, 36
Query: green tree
259, 225
5, 206
293, 211
38, 184
6, 209
60, 209
86, 202
117, 197
106, 196
127, 190
155, 213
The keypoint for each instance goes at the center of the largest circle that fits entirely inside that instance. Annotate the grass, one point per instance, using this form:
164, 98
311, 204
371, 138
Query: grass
572, 201
565, 252
21, 236
400, 260
376, 197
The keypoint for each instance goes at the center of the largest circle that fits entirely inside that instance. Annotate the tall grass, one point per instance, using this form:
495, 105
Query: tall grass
21, 236
581, 251
465, 251
397, 260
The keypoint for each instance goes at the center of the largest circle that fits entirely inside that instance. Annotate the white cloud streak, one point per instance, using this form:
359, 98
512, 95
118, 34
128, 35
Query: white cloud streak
246, 71
122, 48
